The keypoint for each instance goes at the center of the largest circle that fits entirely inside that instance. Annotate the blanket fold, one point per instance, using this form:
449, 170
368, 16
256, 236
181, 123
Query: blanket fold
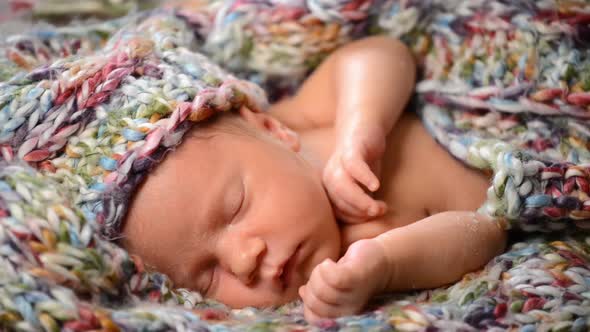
85, 112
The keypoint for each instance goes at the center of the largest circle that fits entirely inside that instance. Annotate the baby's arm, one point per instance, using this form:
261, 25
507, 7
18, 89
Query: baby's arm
370, 79
360, 91
439, 249
375, 78
428, 253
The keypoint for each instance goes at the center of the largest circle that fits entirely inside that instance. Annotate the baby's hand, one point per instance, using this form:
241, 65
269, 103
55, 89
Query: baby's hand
354, 163
344, 288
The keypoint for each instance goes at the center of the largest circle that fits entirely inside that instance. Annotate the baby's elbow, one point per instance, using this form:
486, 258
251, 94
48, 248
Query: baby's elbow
394, 55
389, 45
381, 43
489, 233
386, 54
495, 232
403, 61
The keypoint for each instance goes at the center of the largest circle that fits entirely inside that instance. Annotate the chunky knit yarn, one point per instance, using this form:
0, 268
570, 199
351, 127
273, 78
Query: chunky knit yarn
86, 113
101, 121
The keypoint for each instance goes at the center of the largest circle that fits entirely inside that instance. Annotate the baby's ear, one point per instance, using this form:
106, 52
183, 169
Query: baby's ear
272, 126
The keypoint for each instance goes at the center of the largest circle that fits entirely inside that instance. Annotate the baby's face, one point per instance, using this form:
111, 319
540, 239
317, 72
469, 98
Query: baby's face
239, 217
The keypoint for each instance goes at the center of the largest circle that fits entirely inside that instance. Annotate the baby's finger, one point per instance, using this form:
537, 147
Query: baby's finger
360, 171
337, 187
360, 216
346, 210
310, 316
310, 303
315, 309
321, 289
325, 293
381, 208
314, 277
336, 191
357, 198
335, 275
349, 219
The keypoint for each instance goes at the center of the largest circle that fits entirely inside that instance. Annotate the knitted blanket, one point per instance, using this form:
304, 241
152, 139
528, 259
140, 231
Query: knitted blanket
503, 86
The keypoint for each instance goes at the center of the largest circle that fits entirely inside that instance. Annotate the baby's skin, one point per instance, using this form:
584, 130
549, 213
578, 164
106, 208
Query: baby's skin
333, 195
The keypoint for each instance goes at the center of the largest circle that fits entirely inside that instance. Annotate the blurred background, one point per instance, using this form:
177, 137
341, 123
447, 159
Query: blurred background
19, 15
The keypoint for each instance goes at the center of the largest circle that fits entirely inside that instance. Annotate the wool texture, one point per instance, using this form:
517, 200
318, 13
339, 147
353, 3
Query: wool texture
86, 113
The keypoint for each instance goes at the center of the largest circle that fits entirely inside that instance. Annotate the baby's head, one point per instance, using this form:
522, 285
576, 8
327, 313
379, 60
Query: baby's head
235, 213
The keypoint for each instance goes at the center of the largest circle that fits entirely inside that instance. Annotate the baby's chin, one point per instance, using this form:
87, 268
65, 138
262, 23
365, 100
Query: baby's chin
327, 250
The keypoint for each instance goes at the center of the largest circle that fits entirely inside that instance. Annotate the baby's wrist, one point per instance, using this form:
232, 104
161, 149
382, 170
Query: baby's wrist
371, 136
360, 122
391, 272
387, 263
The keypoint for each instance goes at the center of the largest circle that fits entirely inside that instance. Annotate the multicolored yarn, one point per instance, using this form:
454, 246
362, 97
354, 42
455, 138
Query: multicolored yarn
503, 88
57, 273
523, 60
60, 117
64, 9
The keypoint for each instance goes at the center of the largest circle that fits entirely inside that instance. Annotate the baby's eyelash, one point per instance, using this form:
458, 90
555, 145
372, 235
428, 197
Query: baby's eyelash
239, 206
209, 287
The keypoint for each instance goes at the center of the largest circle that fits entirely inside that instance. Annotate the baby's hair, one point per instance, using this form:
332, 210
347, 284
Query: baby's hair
227, 122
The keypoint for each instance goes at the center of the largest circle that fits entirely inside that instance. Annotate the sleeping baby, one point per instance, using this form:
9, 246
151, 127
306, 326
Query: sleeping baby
334, 195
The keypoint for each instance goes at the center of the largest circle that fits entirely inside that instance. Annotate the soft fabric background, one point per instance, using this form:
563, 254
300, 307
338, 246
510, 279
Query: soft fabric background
504, 88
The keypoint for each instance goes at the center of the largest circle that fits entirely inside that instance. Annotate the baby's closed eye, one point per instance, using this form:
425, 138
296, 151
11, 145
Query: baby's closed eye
232, 204
233, 200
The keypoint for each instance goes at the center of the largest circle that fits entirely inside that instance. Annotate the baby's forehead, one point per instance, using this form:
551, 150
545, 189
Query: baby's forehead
227, 140
185, 192
228, 123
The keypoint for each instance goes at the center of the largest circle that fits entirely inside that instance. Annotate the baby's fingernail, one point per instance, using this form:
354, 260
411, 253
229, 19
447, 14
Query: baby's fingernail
373, 210
374, 186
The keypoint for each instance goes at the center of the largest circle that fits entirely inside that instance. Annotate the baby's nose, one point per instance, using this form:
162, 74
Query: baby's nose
246, 259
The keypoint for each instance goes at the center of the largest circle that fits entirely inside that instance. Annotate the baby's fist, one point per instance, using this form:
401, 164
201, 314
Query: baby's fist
344, 288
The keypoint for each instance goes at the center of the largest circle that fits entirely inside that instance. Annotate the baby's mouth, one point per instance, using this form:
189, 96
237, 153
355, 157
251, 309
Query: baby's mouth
286, 271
